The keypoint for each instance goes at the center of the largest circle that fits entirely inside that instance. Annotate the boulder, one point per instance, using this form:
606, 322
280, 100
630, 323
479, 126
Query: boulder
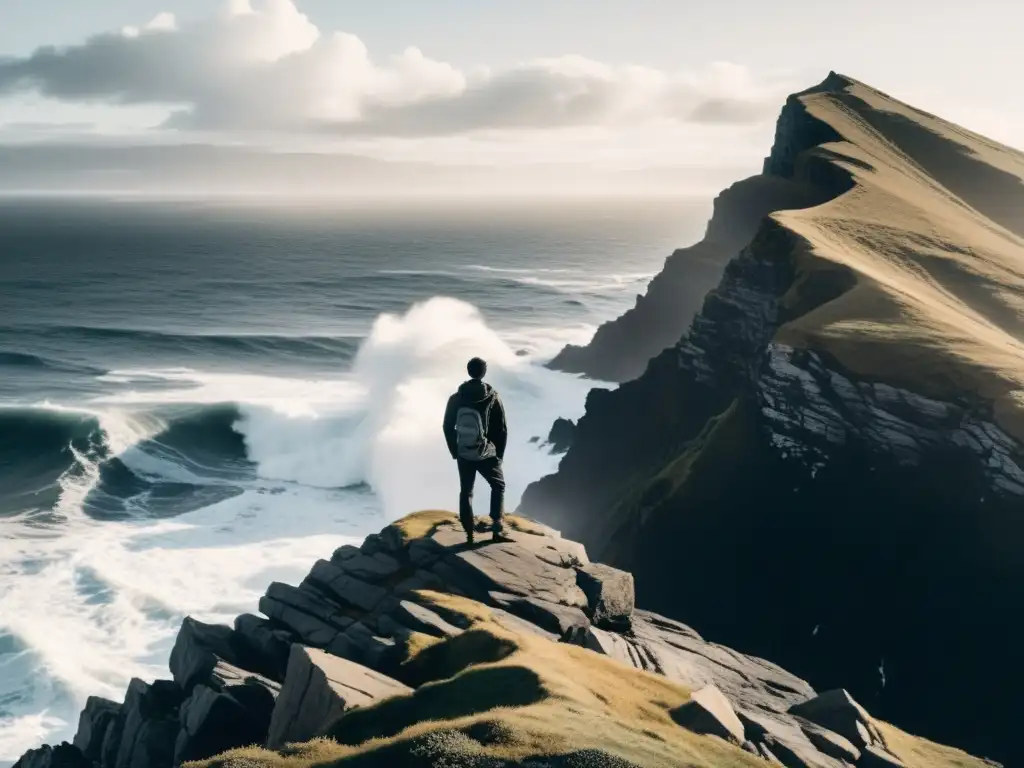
263, 646
371, 568
781, 736
112, 741
94, 722
346, 589
709, 712
425, 552
314, 618
150, 725
373, 544
232, 710
610, 595
837, 711
344, 552
317, 689
561, 435
197, 649
512, 568
64, 755
558, 619
360, 644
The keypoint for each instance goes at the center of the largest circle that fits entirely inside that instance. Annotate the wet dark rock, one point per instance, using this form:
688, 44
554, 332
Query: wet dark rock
150, 725
197, 648
263, 646
233, 709
94, 722
343, 553
373, 544
64, 755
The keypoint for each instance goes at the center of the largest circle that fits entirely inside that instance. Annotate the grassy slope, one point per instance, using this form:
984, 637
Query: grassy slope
932, 233
522, 696
491, 693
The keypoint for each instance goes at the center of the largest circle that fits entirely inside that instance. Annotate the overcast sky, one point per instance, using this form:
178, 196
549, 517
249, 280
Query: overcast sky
632, 84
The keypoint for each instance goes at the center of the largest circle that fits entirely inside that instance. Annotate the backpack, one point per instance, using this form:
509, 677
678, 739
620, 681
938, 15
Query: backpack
470, 434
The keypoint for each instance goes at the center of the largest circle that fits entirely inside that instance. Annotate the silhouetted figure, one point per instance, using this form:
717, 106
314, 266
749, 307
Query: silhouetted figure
476, 433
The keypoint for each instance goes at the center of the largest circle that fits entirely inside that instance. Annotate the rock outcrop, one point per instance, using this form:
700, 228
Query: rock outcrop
834, 475
527, 587
318, 689
561, 435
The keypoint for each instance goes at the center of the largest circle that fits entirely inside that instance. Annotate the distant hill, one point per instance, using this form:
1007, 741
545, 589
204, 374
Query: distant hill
207, 169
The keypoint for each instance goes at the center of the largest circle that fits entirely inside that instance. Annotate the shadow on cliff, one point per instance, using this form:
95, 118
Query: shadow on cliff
895, 582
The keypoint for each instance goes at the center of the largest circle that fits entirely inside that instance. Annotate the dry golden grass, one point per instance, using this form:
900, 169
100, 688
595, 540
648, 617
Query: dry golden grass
419, 525
931, 232
490, 692
921, 753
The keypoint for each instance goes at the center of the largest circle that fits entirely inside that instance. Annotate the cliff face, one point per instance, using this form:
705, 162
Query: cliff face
621, 348
827, 468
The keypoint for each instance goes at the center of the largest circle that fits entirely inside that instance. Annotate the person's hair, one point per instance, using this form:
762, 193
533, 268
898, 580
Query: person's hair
477, 368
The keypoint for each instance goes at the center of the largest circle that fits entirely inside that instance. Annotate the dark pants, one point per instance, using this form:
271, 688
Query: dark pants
491, 471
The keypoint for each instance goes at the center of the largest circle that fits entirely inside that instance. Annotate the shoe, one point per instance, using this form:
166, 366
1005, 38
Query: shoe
498, 532
469, 538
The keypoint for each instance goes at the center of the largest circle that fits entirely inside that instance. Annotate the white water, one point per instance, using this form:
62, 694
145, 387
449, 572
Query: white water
101, 602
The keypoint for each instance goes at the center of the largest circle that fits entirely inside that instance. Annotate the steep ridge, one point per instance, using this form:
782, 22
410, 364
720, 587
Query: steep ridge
621, 348
827, 468
417, 650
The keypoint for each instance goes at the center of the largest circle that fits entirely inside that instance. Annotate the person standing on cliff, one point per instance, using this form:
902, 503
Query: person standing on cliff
476, 434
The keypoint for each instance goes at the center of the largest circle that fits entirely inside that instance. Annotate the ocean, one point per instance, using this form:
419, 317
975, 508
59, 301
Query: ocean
197, 399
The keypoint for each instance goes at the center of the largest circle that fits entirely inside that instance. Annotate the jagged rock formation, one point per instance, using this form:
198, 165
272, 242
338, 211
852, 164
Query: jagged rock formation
829, 472
621, 348
449, 634
561, 435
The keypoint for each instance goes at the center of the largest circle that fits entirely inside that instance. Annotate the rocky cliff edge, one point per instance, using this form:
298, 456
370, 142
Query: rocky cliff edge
417, 650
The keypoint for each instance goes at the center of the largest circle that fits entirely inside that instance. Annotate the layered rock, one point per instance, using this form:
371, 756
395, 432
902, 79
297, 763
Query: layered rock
821, 470
622, 347
527, 585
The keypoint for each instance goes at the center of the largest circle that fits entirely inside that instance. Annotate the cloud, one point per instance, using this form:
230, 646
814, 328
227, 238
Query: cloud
262, 65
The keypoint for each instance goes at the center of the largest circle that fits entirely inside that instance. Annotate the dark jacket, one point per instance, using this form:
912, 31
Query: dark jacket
485, 400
